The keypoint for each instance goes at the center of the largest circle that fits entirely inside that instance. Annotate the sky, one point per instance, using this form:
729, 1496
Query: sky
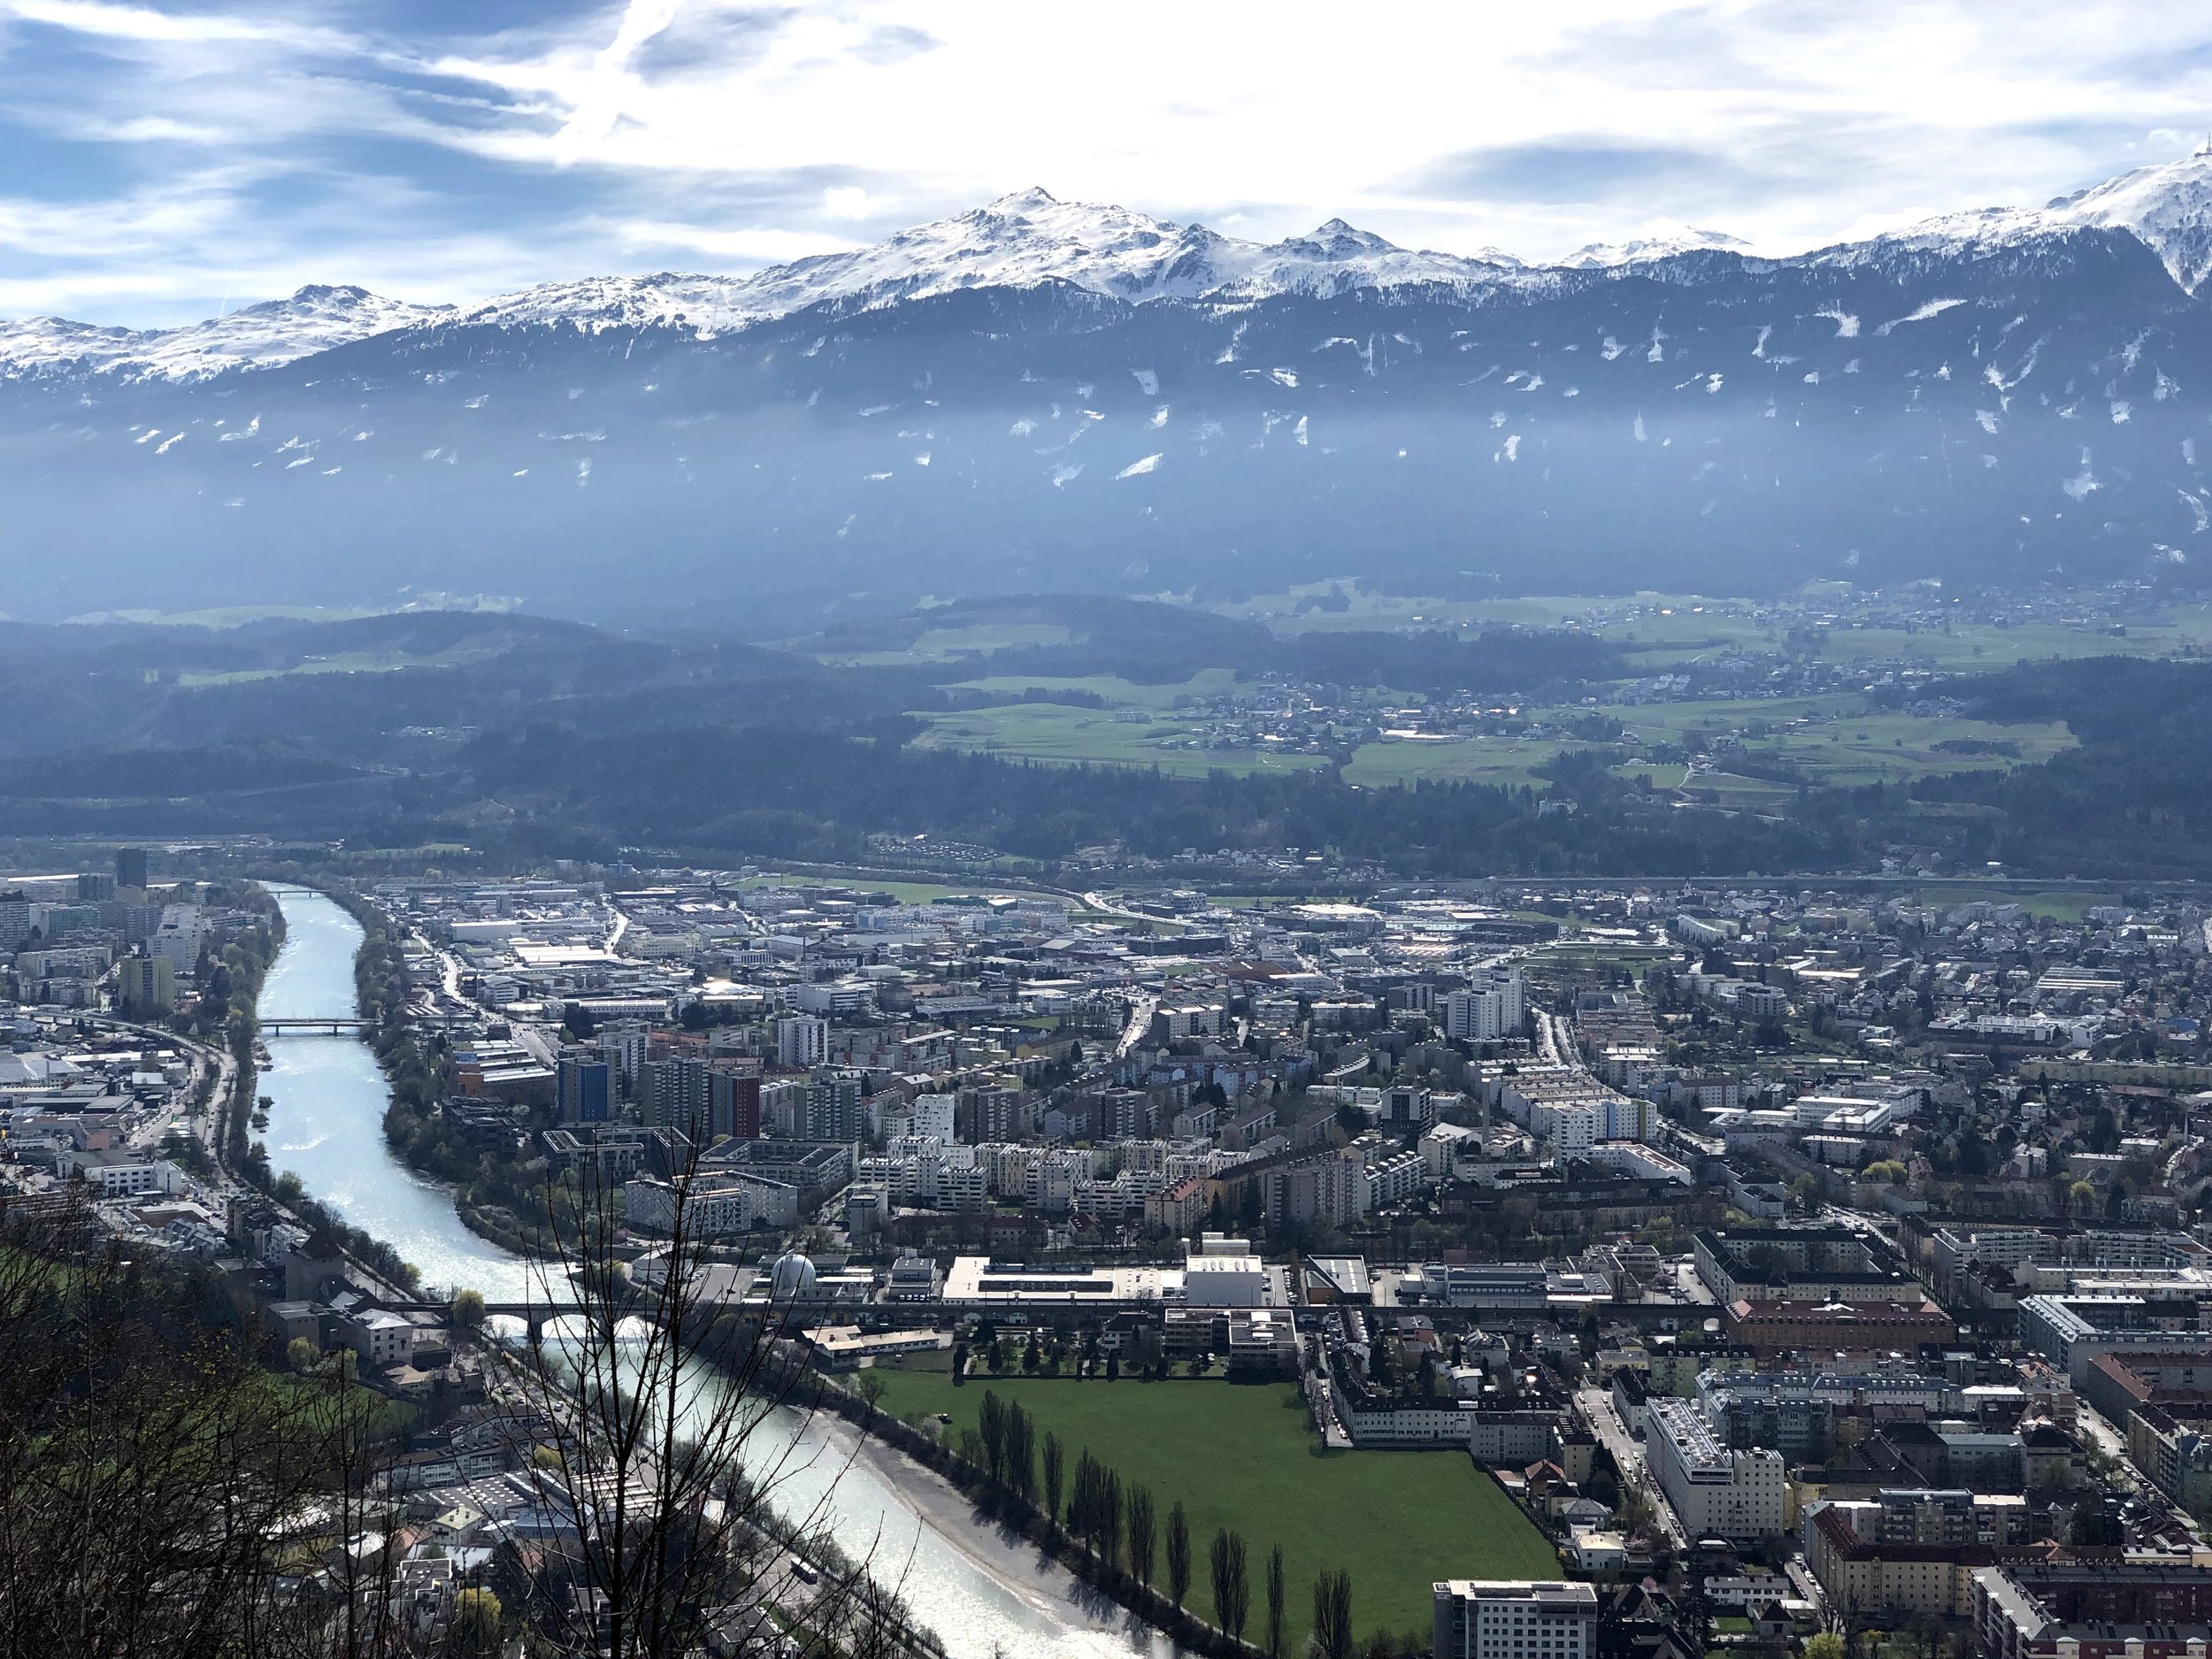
165, 160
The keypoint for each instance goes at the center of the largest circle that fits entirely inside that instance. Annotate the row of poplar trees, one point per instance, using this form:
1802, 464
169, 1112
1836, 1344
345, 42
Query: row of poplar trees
1121, 1528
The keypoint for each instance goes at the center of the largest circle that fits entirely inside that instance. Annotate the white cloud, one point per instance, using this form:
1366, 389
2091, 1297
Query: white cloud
749, 245
711, 130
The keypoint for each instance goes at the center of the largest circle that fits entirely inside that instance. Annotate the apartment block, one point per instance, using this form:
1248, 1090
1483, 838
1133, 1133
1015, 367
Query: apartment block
1713, 1488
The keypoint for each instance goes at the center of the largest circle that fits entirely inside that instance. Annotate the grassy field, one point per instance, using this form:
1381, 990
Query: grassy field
944, 645
2063, 904
346, 663
1508, 761
904, 891
1661, 629
1054, 732
1119, 693
1825, 738
1242, 1457
1364, 611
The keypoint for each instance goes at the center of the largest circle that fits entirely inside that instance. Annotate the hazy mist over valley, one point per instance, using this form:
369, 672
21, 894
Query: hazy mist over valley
1034, 396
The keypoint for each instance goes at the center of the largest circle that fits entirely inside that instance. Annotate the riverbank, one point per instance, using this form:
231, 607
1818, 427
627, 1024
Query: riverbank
418, 1076
971, 1508
231, 999
1004, 1553
329, 1098
984, 1596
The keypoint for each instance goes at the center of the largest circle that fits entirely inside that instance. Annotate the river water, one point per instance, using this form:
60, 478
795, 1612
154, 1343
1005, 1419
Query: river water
980, 1593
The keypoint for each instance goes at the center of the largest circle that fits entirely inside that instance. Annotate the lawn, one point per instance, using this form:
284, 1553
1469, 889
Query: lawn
1242, 1457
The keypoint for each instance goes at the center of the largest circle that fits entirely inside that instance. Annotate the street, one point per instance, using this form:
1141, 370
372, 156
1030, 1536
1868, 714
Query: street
1595, 1405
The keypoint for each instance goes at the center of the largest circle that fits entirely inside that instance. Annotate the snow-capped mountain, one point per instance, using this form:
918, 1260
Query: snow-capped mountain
1030, 238
1039, 395
1019, 241
2168, 208
261, 336
1599, 255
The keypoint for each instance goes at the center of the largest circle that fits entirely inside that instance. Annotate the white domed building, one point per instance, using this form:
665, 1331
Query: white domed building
791, 1278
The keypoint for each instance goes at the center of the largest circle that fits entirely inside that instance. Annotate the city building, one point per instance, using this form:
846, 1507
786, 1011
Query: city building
2092, 1610
1838, 1326
1714, 1488
1816, 1264
712, 1203
2073, 1331
1222, 1272
586, 1091
802, 1040
145, 987
1514, 1619
1492, 1009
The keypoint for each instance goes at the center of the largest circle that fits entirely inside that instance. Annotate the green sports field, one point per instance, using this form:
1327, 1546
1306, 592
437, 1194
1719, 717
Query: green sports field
1243, 1456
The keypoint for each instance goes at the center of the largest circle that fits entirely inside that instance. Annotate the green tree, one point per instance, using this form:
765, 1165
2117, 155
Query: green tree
1232, 1593
1824, 1644
1021, 1453
1275, 1602
303, 1357
474, 1632
991, 1424
1177, 1554
1141, 1534
467, 1310
1056, 1471
1333, 1616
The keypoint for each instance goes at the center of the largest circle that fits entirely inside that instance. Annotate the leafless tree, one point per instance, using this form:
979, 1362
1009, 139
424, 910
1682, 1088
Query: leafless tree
159, 1490
673, 1431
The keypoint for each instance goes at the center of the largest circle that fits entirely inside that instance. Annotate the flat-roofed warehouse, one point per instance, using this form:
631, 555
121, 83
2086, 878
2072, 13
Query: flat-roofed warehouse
979, 1281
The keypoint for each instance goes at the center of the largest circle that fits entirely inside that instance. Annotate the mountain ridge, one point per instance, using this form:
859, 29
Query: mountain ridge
1984, 403
1029, 237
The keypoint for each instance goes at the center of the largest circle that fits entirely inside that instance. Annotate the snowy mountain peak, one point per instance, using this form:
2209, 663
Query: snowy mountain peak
2167, 206
1015, 203
1028, 238
1664, 243
314, 319
1340, 239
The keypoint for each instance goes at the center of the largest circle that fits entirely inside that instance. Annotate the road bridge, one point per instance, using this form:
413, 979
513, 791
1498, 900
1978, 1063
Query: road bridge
333, 1024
